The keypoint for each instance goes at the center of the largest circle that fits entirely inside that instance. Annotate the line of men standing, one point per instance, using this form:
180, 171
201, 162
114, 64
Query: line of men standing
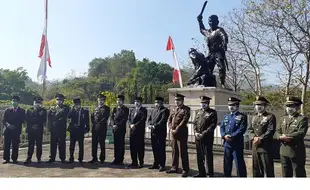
262, 131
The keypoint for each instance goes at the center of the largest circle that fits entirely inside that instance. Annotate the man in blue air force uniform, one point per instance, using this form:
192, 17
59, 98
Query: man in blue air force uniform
232, 129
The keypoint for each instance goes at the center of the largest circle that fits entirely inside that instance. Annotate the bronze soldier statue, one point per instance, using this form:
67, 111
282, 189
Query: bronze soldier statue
291, 131
204, 124
119, 122
177, 123
137, 120
99, 129
217, 40
158, 125
261, 131
57, 125
203, 70
79, 125
35, 119
13, 120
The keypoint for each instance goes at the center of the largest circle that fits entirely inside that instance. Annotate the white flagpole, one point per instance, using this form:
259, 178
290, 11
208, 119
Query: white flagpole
176, 62
45, 50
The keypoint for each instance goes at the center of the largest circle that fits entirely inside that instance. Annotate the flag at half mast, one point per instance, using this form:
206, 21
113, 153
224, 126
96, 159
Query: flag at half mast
44, 51
176, 71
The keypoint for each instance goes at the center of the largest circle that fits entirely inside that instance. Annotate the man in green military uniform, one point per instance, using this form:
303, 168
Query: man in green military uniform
204, 125
35, 119
261, 131
291, 131
57, 125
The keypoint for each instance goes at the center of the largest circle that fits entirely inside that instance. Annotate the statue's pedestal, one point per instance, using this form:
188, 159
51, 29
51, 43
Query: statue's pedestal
219, 95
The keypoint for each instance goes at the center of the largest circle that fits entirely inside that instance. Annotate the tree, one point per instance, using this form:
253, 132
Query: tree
291, 19
14, 81
245, 40
235, 76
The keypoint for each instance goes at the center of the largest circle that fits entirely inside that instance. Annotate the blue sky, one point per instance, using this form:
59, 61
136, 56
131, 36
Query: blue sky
80, 30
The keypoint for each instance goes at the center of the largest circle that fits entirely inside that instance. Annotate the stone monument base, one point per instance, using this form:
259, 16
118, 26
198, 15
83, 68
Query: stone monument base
219, 95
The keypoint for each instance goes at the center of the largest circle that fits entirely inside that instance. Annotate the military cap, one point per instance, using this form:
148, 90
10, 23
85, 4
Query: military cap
15, 98
37, 99
122, 97
59, 96
138, 98
76, 100
159, 99
261, 100
292, 100
179, 97
204, 99
233, 100
101, 96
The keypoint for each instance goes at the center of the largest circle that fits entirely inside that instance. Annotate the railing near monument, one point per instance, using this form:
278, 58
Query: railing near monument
221, 111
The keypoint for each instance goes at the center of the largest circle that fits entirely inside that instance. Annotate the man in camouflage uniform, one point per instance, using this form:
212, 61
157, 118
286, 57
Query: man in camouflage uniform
79, 125
261, 132
99, 120
204, 124
119, 122
291, 131
57, 125
13, 119
35, 119
177, 123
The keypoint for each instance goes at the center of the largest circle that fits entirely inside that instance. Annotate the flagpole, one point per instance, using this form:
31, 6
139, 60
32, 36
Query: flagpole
45, 50
176, 62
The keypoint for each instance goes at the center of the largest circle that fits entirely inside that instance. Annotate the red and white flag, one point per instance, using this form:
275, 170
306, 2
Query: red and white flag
44, 50
176, 71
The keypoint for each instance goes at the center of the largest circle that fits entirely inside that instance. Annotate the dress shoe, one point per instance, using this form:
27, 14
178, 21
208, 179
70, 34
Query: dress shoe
172, 171
6, 162
93, 161
132, 166
153, 167
80, 161
39, 160
161, 169
184, 174
102, 161
200, 175
28, 161
141, 165
50, 161
71, 160
63, 161
114, 162
15, 161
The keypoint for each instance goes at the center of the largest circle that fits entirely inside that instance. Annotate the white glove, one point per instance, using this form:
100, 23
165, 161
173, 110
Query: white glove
114, 126
196, 135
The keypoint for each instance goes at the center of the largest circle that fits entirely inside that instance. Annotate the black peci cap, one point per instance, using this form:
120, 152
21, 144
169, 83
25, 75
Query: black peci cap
122, 97
159, 99
59, 96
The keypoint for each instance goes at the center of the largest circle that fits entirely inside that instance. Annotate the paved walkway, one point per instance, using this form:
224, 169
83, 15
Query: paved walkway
106, 170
